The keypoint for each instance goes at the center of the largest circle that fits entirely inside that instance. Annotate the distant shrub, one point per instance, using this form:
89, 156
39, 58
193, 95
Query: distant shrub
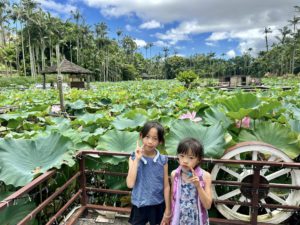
14, 81
187, 77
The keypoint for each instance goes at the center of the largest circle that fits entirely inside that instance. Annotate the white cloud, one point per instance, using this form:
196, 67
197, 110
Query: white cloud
161, 43
217, 36
129, 27
57, 8
231, 54
152, 24
210, 44
251, 38
225, 20
140, 43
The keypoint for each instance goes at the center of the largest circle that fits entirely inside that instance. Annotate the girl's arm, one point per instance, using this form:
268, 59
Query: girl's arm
205, 194
133, 166
132, 172
167, 213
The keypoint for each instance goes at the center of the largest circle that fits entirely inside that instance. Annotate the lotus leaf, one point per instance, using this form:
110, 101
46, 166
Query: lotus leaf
211, 137
295, 125
214, 115
79, 104
122, 123
241, 105
117, 108
275, 134
15, 213
88, 118
119, 141
22, 160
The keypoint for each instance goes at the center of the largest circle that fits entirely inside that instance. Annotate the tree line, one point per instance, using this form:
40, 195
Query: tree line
30, 36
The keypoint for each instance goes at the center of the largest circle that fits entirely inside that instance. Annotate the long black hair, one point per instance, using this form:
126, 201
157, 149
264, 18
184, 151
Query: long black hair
154, 124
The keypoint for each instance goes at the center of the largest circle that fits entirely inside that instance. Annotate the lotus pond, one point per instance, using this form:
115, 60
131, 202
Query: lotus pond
35, 137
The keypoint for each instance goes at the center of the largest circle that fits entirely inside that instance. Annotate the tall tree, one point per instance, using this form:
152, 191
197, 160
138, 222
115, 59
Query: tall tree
4, 4
266, 31
294, 23
77, 16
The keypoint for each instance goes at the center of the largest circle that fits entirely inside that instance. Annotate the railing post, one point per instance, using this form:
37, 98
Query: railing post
255, 194
82, 180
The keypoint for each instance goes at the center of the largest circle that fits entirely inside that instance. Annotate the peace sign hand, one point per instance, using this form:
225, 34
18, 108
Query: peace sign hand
139, 150
194, 179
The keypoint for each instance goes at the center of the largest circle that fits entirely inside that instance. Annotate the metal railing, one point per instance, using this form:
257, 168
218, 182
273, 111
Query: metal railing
81, 193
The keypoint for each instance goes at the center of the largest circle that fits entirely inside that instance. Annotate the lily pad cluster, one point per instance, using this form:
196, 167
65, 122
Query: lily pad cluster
110, 116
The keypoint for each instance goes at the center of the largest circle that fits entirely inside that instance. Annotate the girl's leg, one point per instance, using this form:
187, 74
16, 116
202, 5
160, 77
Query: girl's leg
138, 216
156, 213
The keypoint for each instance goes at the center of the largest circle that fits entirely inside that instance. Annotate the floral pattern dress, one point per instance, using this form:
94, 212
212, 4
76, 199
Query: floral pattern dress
189, 213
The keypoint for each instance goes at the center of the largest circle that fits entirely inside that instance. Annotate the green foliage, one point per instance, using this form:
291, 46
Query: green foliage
33, 157
274, 134
173, 66
129, 72
15, 213
107, 116
211, 137
187, 77
15, 81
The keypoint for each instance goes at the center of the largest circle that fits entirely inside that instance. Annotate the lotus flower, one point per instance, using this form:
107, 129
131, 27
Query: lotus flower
191, 116
245, 122
55, 109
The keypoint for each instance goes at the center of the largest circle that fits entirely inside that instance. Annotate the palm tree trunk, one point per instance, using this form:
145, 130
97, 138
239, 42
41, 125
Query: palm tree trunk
31, 57
43, 47
50, 52
3, 34
37, 59
23, 51
293, 58
70, 47
77, 50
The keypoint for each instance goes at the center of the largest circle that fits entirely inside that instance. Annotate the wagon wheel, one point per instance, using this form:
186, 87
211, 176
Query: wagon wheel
270, 175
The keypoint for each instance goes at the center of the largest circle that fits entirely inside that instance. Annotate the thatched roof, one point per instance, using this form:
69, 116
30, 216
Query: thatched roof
67, 67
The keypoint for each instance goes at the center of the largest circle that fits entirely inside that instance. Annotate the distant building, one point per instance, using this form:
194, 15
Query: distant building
146, 76
79, 77
238, 80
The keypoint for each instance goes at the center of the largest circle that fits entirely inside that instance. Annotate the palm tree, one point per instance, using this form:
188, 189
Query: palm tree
119, 34
101, 32
266, 31
29, 7
146, 49
77, 15
3, 19
284, 32
166, 52
150, 46
294, 23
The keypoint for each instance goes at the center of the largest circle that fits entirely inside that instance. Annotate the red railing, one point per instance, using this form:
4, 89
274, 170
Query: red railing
82, 192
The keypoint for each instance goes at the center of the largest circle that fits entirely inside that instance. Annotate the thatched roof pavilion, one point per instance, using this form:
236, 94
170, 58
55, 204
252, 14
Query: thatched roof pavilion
66, 67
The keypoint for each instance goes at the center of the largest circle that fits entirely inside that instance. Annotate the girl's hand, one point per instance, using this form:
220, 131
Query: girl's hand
139, 150
194, 179
166, 219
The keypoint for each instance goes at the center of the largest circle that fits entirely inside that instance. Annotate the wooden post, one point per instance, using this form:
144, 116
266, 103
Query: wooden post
44, 81
59, 81
88, 81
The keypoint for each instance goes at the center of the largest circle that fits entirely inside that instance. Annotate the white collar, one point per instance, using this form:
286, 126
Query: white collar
154, 159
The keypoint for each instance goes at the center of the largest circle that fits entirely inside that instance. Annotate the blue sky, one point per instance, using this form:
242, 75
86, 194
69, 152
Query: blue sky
225, 27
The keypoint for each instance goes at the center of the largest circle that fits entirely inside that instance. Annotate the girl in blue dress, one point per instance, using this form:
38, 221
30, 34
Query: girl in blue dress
191, 186
148, 177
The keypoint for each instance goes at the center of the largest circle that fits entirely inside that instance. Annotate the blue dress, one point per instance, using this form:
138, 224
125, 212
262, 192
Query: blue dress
189, 213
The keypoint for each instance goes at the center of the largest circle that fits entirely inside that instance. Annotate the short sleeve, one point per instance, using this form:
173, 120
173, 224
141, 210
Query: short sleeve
164, 159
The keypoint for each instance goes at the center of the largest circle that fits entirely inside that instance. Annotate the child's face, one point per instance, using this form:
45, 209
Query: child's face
150, 141
188, 160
